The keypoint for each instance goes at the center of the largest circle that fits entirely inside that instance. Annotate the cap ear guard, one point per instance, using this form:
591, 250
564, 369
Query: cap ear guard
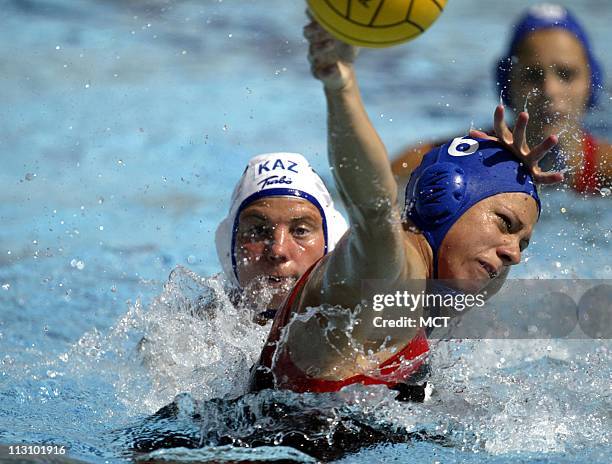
439, 193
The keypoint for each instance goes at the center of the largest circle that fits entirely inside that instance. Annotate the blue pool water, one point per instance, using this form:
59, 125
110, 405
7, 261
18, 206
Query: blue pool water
124, 128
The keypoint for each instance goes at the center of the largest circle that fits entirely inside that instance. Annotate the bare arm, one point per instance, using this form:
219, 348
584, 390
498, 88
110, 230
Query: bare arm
359, 162
376, 247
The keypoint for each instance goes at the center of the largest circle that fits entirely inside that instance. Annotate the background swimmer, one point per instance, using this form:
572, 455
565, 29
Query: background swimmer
550, 70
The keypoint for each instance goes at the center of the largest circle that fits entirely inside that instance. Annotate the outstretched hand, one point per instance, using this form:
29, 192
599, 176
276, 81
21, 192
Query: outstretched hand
330, 59
516, 142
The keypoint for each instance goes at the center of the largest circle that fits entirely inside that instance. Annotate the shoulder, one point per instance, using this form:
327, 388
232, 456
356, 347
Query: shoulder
603, 150
603, 160
407, 161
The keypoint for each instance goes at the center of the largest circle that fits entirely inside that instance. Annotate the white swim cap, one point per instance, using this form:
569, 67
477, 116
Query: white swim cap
276, 174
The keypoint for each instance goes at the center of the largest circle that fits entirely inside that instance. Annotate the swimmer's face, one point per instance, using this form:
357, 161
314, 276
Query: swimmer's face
278, 239
481, 246
553, 74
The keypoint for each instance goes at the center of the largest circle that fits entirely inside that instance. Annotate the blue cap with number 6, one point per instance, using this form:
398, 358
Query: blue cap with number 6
454, 177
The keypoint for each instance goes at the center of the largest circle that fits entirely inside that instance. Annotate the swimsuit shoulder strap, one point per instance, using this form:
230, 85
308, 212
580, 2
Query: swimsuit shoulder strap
261, 376
587, 180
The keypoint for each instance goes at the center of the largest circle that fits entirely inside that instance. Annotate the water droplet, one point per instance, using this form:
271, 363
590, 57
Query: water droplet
77, 263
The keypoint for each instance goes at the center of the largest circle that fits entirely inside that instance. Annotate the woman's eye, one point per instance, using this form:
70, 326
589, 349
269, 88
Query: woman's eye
506, 222
566, 74
255, 232
533, 75
301, 231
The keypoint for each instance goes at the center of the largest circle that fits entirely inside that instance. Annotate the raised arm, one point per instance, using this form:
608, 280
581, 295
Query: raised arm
358, 159
357, 156
375, 248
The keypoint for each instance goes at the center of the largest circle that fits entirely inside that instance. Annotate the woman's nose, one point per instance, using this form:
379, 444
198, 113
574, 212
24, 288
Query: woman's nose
509, 253
552, 87
279, 244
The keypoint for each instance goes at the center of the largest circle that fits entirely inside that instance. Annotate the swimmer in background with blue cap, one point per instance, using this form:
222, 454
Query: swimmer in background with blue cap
470, 209
551, 70
282, 219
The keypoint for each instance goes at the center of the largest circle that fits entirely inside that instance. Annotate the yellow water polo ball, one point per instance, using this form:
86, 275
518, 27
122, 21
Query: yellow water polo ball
376, 23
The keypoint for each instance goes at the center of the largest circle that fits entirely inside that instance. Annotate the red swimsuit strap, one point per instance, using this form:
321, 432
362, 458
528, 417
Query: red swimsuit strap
586, 180
282, 317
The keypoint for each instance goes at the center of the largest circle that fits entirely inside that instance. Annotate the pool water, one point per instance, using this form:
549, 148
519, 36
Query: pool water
124, 128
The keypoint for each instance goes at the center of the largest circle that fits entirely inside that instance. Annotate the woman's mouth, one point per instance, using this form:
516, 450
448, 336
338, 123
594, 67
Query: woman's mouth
491, 271
280, 281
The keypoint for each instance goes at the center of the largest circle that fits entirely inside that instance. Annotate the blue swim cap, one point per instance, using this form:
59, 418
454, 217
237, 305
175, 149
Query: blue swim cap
547, 16
454, 177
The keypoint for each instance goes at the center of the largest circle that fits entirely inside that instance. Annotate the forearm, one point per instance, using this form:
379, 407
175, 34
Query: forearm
357, 155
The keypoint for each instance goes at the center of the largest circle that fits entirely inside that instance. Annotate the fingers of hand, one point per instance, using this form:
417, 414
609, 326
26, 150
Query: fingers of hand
540, 150
323, 59
501, 129
548, 178
480, 135
325, 72
322, 51
545, 178
346, 52
322, 54
313, 32
321, 67
519, 134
